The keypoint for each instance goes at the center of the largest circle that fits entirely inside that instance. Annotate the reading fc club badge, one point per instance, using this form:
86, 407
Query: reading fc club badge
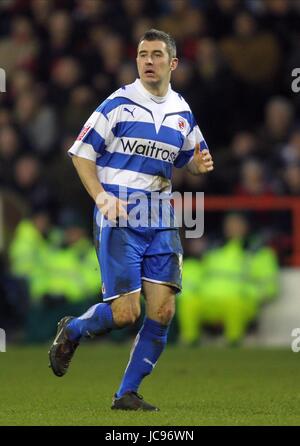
181, 124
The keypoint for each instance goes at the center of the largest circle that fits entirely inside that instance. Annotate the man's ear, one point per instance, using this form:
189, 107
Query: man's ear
174, 63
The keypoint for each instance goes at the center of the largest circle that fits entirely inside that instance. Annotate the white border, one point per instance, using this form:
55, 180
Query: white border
121, 294
161, 282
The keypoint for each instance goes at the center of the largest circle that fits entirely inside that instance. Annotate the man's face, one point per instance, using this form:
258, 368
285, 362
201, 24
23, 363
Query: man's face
154, 63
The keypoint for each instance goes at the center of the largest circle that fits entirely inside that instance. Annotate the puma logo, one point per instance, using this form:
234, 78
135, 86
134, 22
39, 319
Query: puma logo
129, 111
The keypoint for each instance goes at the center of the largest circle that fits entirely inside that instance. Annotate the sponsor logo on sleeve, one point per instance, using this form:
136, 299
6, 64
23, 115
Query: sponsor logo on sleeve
83, 132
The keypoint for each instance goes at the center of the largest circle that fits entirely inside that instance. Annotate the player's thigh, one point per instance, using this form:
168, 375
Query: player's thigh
159, 301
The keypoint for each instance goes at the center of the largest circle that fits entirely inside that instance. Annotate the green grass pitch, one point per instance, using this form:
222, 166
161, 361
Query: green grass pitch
192, 387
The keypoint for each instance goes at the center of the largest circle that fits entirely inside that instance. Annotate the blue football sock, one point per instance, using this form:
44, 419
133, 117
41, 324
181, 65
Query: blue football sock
97, 320
148, 346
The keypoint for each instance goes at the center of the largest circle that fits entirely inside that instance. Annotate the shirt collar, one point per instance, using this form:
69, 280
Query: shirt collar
145, 92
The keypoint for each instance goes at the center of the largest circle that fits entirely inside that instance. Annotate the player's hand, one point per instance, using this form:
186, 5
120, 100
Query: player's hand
203, 160
111, 207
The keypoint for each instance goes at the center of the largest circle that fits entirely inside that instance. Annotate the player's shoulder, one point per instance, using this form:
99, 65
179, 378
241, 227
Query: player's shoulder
179, 101
179, 106
118, 97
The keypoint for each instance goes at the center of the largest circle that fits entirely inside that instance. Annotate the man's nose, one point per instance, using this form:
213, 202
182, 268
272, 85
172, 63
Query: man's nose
149, 60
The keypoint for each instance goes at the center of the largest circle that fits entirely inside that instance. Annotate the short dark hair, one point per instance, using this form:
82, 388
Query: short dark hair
155, 34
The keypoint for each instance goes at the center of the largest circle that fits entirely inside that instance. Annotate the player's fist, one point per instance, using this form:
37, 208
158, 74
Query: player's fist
203, 159
111, 207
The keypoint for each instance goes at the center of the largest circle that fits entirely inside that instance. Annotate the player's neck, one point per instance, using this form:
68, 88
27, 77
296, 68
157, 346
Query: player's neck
157, 90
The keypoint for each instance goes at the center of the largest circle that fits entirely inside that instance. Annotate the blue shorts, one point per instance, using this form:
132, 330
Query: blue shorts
129, 255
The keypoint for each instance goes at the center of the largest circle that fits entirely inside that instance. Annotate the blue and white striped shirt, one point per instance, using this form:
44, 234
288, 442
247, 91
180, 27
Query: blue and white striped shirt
135, 138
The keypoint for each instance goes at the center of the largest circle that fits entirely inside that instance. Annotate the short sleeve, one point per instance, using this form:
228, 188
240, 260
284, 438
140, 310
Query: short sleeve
92, 139
186, 153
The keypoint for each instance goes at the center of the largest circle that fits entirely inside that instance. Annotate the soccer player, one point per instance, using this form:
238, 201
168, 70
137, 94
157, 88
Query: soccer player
131, 141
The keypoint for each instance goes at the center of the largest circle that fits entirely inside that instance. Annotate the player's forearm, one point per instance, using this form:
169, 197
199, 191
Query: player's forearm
87, 172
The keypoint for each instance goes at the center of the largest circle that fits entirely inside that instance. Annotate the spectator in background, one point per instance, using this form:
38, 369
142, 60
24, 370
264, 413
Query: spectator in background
131, 16
278, 121
139, 27
228, 286
58, 41
29, 251
91, 58
254, 57
182, 81
127, 74
65, 75
30, 185
254, 180
173, 19
60, 267
194, 26
196, 248
38, 123
5, 116
88, 12
213, 84
20, 48
21, 81
10, 148
40, 11
60, 33
289, 153
280, 18
249, 48
244, 145
64, 182
291, 179
112, 53
81, 102
221, 15
73, 270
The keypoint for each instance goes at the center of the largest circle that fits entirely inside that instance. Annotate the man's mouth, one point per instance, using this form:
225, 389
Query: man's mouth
149, 71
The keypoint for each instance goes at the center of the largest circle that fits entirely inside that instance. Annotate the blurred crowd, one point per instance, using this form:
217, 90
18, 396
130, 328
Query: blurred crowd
64, 57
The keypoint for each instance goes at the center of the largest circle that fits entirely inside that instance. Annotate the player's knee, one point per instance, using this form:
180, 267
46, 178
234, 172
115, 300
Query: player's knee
165, 314
127, 313
125, 318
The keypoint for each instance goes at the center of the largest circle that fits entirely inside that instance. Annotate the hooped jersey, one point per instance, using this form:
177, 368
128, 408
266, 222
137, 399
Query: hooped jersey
135, 138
